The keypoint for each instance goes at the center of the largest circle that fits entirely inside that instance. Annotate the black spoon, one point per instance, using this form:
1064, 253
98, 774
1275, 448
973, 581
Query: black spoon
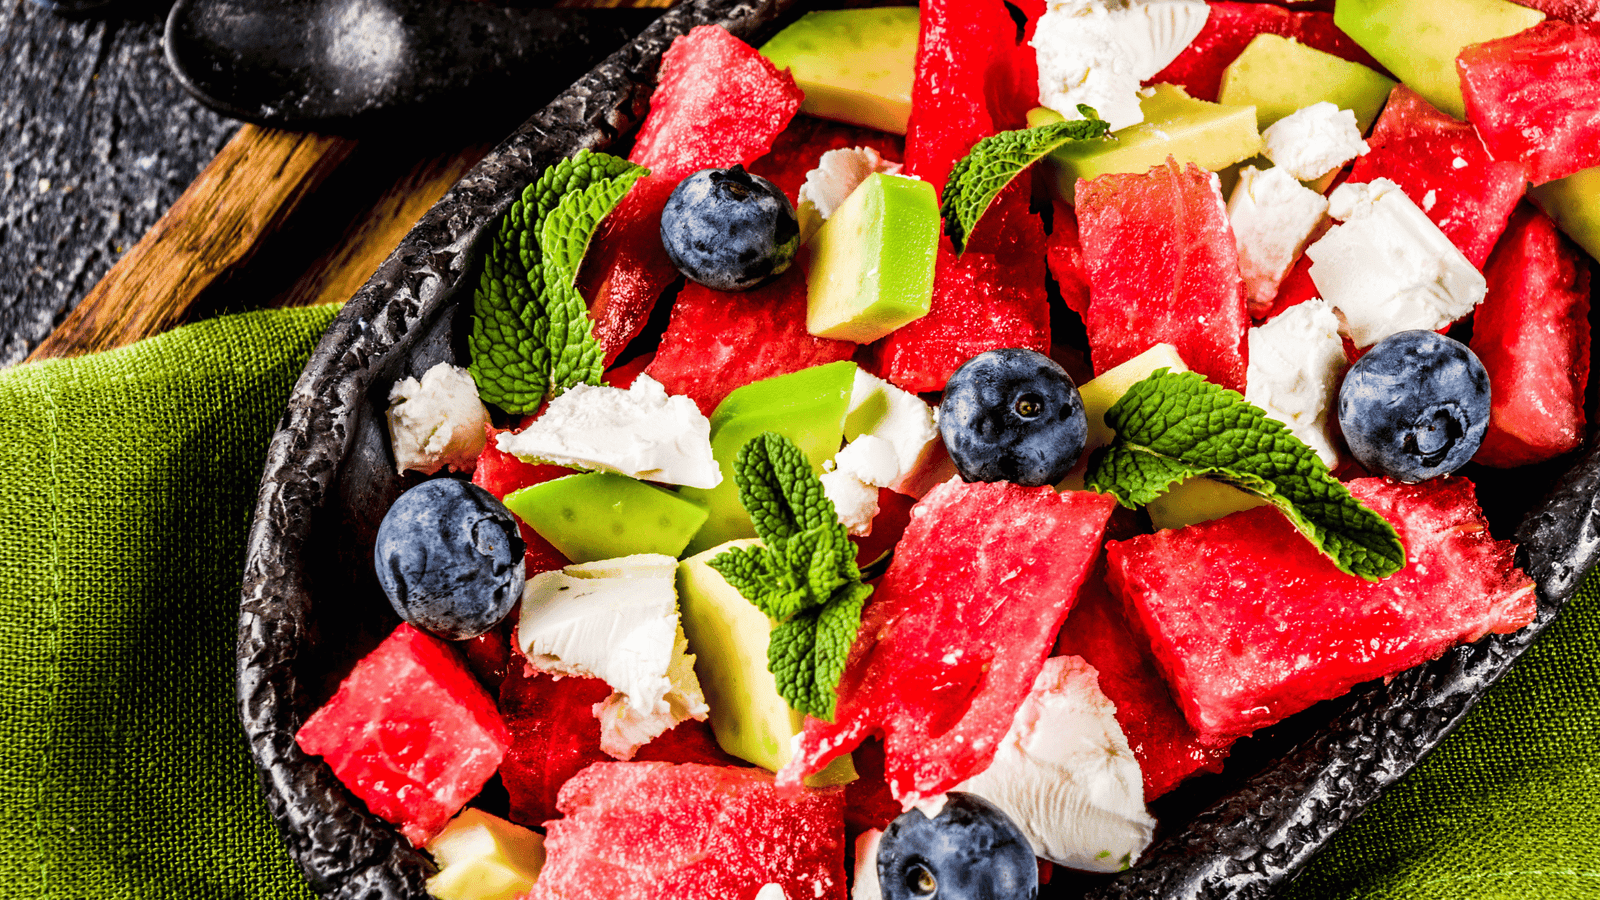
354, 65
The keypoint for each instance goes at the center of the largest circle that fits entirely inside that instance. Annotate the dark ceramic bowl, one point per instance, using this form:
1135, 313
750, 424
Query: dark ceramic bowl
312, 605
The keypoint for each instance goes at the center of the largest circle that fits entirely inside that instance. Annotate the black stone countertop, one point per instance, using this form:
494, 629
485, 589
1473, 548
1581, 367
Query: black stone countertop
96, 142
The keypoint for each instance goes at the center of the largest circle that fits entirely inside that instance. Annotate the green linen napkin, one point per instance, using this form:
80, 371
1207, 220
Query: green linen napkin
126, 484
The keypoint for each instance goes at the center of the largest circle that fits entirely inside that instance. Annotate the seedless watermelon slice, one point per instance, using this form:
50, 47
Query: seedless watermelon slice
955, 634
1535, 97
963, 50
1229, 29
719, 103
1250, 623
652, 831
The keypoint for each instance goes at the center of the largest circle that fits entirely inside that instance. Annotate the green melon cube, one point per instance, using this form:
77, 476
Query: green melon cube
1574, 202
1418, 40
1278, 75
602, 515
855, 65
872, 261
807, 407
1209, 135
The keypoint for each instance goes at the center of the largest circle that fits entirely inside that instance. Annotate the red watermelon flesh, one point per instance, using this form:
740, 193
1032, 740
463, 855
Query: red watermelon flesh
622, 377
991, 296
718, 103
1295, 289
500, 473
1417, 147
963, 50
719, 340
652, 830
957, 630
1229, 29
798, 149
868, 801
554, 735
1250, 623
1168, 749
1064, 258
888, 526
1532, 333
410, 732
1535, 97
1163, 267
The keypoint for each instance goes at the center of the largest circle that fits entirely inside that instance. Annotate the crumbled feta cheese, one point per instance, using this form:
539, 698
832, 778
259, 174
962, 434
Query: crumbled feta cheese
640, 432
865, 884
771, 891
1096, 52
1065, 774
1314, 141
837, 175
1295, 360
1388, 268
438, 421
854, 500
616, 620
900, 417
1273, 216
1458, 163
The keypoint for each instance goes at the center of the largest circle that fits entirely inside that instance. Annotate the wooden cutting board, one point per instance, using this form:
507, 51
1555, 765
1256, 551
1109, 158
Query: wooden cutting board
278, 218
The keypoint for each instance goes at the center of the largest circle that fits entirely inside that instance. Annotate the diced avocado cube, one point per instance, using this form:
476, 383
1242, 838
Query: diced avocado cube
872, 261
1418, 40
484, 857
855, 65
602, 515
1210, 135
1279, 75
728, 637
1574, 202
807, 407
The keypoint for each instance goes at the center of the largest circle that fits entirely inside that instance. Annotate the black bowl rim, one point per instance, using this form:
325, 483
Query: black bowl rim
1249, 844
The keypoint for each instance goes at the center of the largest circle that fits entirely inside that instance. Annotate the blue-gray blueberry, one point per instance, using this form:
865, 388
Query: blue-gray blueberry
1415, 406
969, 851
1012, 415
729, 230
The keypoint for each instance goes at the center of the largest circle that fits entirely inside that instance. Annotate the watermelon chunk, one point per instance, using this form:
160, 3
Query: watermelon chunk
717, 340
1250, 623
1535, 97
958, 629
1532, 333
964, 49
1064, 258
1441, 165
410, 732
1168, 749
798, 149
500, 473
652, 830
1163, 268
1229, 29
719, 103
555, 735
992, 296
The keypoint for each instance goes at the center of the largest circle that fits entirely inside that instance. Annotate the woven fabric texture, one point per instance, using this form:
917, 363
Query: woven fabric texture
1508, 806
126, 484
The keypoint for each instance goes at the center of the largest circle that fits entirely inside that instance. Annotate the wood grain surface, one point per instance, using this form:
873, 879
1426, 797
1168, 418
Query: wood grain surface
277, 219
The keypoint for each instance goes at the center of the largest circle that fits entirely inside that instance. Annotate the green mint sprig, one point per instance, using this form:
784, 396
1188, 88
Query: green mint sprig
803, 576
1176, 425
996, 161
531, 336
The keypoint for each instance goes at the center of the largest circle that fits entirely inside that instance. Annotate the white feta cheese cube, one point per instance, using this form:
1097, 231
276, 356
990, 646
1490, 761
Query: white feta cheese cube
437, 422
1273, 217
1295, 361
837, 175
1314, 141
640, 432
1066, 775
1388, 268
851, 480
616, 620
900, 417
1096, 52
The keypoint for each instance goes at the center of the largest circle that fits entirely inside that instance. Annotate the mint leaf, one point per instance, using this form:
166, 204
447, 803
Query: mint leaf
803, 576
531, 336
1172, 426
996, 161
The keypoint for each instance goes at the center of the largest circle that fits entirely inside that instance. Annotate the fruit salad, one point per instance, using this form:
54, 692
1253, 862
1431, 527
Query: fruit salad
950, 429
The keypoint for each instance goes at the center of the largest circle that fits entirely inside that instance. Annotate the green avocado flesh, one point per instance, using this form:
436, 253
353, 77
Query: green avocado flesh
872, 261
602, 515
854, 65
807, 407
1278, 76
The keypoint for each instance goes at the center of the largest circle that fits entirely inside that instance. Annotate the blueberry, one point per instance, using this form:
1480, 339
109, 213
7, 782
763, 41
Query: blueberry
449, 556
1415, 406
969, 851
1012, 415
729, 230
